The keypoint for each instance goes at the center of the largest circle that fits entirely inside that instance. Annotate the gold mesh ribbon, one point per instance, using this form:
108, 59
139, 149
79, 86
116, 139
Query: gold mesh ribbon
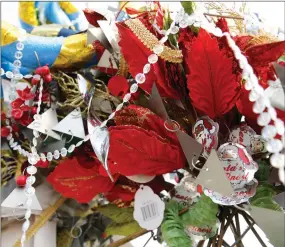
150, 41
41, 220
123, 67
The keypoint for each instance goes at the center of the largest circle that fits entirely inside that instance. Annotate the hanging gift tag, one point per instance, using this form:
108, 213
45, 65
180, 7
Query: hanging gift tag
156, 104
71, 125
46, 123
148, 209
190, 147
271, 222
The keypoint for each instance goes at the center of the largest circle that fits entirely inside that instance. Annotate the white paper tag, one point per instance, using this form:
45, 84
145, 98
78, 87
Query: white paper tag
149, 208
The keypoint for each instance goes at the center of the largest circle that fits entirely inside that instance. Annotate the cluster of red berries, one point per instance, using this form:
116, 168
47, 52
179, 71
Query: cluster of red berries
44, 72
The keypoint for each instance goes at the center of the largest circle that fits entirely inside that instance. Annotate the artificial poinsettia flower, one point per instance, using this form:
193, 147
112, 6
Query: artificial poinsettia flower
136, 55
74, 181
140, 138
213, 87
25, 94
26, 119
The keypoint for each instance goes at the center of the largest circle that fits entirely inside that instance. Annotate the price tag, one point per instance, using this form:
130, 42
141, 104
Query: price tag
149, 208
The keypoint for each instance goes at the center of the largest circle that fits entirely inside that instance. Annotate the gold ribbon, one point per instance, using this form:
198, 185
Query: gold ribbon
150, 41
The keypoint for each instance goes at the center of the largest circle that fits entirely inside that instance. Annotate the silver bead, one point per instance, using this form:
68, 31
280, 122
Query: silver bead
119, 106
18, 76
35, 141
274, 146
29, 202
153, 58
43, 157
17, 63
18, 54
78, 143
56, 154
9, 74
146, 68
49, 156
2, 71
127, 97
71, 148
279, 124
31, 180
26, 226
29, 191
28, 214
36, 133
31, 170
263, 119
259, 106
63, 152
174, 30
20, 46
269, 132
134, 88
157, 49
140, 78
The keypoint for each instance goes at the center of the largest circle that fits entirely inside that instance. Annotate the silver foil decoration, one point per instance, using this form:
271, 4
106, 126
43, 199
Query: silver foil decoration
100, 140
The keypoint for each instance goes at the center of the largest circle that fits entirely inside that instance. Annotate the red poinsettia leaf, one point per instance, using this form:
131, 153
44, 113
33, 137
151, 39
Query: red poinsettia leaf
136, 55
25, 108
73, 181
17, 113
243, 42
26, 94
223, 25
93, 17
134, 150
118, 85
17, 103
264, 54
213, 87
121, 193
146, 119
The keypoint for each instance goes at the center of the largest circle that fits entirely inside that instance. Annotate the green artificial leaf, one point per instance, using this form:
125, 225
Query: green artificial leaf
189, 7
172, 228
202, 214
264, 197
123, 229
172, 38
263, 172
123, 222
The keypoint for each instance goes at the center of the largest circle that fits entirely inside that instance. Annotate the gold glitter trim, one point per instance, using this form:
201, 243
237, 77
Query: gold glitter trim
149, 40
27, 12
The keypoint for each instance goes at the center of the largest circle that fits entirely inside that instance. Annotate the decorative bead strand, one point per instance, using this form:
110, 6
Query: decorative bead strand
183, 20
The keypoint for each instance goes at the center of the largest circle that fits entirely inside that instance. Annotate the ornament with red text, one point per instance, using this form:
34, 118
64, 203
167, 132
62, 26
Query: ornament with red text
240, 169
205, 132
186, 191
246, 136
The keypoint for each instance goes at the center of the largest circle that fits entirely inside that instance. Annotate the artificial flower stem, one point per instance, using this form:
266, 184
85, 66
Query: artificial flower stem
224, 16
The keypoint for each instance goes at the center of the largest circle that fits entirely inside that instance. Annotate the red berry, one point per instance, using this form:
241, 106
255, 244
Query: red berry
34, 110
48, 78
45, 70
21, 180
39, 71
35, 81
5, 131
17, 113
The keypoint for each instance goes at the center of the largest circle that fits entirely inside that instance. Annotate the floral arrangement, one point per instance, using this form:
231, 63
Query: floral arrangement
185, 95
